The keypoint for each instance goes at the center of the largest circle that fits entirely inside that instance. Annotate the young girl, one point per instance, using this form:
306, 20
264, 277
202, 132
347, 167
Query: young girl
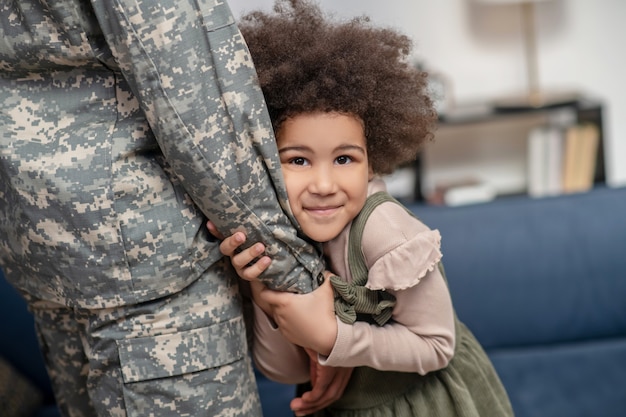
346, 107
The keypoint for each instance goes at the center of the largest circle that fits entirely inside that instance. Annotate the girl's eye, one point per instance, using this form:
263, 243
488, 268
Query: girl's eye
343, 159
298, 161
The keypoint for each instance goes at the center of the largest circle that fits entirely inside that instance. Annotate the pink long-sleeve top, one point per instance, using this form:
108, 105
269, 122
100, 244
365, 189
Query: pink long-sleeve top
402, 255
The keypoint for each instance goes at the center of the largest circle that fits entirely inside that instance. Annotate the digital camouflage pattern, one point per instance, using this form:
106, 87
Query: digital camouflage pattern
150, 359
123, 123
85, 175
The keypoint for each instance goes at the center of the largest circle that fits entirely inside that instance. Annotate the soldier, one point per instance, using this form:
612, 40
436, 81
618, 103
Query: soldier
124, 125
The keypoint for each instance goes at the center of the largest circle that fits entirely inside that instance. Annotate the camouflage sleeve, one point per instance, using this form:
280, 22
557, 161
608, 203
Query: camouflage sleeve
190, 68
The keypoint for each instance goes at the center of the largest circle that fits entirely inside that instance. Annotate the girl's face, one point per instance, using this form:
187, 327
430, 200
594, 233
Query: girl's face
324, 161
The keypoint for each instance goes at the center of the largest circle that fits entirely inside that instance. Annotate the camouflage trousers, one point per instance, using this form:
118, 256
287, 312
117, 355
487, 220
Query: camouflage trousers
182, 355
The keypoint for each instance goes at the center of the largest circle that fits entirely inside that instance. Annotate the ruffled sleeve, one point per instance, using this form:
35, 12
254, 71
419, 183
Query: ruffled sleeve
399, 251
400, 254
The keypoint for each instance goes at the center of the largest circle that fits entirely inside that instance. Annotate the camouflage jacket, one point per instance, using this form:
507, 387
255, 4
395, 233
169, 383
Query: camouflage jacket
123, 126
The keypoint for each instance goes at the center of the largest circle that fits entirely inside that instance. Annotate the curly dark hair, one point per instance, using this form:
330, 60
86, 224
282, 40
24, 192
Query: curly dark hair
308, 63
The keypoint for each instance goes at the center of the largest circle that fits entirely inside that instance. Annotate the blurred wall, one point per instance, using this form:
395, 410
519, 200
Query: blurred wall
480, 50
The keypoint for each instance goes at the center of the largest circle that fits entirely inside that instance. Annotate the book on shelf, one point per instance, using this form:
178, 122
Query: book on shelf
545, 160
554, 176
536, 162
462, 192
579, 169
562, 159
571, 159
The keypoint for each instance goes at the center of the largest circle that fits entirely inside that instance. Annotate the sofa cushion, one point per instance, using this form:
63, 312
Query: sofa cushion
579, 379
18, 396
537, 271
18, 344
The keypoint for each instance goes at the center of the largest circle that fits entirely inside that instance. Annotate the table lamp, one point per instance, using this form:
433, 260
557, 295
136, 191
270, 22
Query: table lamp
534, 96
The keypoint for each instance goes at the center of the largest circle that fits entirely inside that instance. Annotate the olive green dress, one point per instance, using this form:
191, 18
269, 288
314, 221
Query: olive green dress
467, 387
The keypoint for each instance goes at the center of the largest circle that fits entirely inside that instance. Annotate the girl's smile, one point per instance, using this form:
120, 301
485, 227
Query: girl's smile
324, 161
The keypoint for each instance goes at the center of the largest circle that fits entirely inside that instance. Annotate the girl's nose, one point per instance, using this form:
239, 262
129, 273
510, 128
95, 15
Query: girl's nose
322, 181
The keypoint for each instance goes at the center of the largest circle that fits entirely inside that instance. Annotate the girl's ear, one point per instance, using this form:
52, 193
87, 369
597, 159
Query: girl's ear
371, 173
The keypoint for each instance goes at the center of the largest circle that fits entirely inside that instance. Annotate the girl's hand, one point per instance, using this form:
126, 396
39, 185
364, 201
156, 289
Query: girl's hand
246, 262
328, 384
307, 320
213, 230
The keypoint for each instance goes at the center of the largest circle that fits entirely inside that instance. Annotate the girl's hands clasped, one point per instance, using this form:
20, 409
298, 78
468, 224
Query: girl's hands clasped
306, 320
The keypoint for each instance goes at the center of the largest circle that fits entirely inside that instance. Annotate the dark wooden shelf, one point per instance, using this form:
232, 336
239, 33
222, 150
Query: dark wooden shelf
587, 110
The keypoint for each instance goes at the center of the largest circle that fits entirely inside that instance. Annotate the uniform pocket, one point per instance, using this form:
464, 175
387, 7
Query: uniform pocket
201, 372
182, 353
218, 17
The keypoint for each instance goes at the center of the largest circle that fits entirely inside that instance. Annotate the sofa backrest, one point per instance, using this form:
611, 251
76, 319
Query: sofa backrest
537, 271
542, 284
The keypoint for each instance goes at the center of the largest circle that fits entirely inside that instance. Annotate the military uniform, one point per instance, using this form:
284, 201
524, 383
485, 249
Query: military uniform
124, 124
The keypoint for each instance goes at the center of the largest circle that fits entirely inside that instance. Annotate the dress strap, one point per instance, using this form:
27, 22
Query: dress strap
353, 300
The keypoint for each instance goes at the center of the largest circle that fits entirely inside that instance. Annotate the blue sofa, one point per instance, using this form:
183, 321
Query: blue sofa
19, 348
542, 284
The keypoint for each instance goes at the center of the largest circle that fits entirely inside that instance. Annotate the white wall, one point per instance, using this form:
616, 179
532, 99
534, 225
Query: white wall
480, 49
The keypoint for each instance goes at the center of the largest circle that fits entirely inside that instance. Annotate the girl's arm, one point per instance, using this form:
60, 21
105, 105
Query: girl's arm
328, 382
276, 357
419, 338
276, 349
401, 254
